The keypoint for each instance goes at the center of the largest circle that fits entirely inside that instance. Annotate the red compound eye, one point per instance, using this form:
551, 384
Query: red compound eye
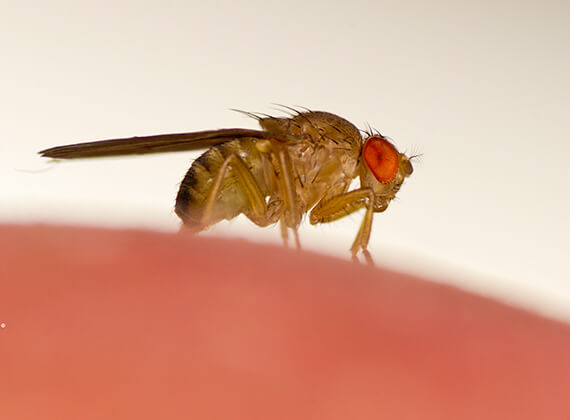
382, 159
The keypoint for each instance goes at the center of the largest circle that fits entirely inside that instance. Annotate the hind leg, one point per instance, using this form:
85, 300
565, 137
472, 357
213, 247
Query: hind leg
234, 166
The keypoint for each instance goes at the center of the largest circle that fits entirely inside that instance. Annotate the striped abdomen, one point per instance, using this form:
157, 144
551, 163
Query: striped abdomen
196, 185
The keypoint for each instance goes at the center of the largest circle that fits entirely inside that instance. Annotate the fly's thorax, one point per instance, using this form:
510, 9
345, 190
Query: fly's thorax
316, 171
315, 126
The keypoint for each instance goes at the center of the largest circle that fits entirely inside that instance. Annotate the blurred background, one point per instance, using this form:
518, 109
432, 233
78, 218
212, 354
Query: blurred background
480, 89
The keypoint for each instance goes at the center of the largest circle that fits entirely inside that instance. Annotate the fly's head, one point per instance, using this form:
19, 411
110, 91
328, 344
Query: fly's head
383, 169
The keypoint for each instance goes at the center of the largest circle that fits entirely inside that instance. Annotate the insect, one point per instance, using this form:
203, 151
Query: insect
301, 163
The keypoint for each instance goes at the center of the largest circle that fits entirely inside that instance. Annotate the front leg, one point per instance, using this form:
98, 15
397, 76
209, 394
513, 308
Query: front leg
338, 206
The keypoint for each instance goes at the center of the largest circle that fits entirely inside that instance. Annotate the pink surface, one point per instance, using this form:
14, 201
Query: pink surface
132, 325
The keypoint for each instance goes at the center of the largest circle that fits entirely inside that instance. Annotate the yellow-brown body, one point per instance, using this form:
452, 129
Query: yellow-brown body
323, 162
303, 163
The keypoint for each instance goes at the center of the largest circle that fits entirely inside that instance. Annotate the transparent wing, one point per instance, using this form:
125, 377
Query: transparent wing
161, 143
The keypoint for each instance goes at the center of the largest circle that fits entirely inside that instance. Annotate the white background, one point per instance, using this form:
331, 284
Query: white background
481, 89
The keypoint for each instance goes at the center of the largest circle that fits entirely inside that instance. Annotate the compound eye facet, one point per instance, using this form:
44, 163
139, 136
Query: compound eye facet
382, 159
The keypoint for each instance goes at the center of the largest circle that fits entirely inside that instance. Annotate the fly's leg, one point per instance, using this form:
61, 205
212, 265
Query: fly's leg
297, 242
284, 230
336, 207
291, 216
258, 208
285, 233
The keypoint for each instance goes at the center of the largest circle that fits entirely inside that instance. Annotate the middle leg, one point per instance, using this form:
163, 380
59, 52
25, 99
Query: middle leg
291, 213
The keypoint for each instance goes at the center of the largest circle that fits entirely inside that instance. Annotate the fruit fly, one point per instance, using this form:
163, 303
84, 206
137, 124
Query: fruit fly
297, 164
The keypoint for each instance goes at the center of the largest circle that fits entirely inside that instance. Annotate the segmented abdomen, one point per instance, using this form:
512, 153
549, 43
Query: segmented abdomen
197, 184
